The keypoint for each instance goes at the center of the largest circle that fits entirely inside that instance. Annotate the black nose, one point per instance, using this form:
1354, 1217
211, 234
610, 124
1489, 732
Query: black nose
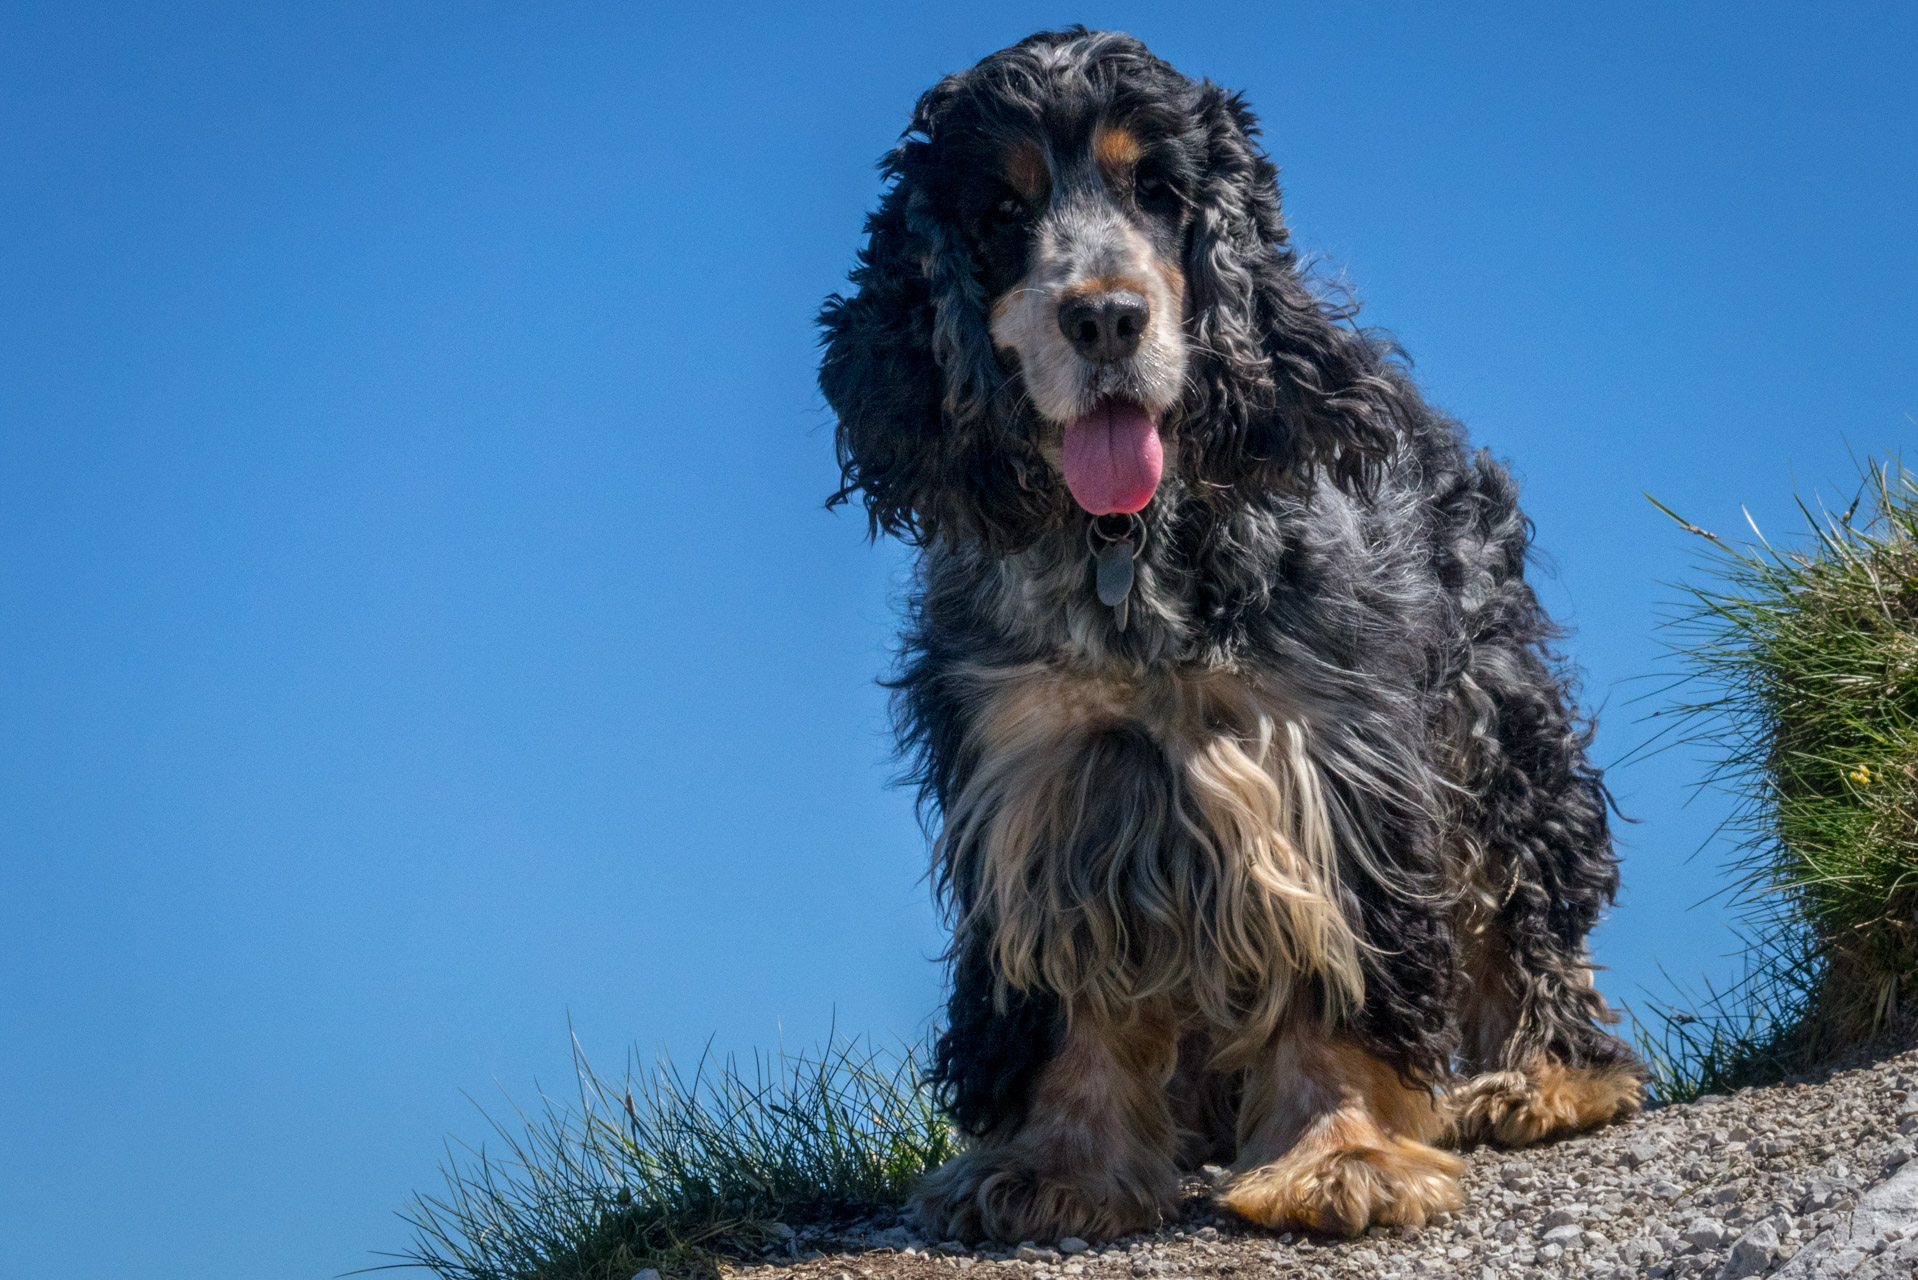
1106, 326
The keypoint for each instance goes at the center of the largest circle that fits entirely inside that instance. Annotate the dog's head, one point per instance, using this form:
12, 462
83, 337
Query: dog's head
1078, 278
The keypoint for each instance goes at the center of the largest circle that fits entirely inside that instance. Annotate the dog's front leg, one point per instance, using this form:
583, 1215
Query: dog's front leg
1331, 1139
1092, 1156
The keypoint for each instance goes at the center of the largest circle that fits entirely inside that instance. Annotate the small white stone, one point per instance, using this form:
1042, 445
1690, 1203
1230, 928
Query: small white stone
1752, 1254
1641, 1249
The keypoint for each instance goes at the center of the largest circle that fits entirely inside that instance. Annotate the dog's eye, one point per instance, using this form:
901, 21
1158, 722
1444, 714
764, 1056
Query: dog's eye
1007, 209
1154, 193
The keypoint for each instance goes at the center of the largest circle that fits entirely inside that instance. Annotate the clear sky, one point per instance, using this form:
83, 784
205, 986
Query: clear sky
418, 621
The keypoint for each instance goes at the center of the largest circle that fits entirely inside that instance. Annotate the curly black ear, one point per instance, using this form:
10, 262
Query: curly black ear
928, 435
1280, 386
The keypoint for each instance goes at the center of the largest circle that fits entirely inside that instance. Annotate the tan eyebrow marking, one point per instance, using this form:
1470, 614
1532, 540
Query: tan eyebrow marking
1026, 170
1096, 285
1115, 148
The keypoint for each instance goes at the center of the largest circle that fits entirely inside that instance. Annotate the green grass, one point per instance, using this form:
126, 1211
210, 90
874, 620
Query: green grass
657, 1169
1799, 680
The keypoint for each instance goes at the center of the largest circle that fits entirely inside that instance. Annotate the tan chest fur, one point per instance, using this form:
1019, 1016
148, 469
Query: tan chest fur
1162, 832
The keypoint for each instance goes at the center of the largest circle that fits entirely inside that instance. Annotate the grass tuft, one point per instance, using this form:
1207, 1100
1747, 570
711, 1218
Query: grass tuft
1799, 680
657, 1169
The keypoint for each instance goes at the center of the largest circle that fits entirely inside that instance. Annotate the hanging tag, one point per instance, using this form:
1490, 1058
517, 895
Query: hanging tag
1113, 551
1113, 574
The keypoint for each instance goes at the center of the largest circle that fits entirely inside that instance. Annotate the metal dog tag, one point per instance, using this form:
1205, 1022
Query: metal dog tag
1112, 558
1113, 574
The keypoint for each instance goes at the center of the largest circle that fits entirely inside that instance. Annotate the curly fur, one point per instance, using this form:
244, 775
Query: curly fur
1325, 791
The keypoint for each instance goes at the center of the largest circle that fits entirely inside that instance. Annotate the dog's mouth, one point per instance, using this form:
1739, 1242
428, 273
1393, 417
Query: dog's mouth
1113, 458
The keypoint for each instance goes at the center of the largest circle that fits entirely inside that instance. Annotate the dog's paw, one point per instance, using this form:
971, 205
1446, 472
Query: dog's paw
991, 1195
1341, 1190
1518, 1108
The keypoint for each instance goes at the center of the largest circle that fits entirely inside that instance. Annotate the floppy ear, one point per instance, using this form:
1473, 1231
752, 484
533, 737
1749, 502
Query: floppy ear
928, 434
1280, 386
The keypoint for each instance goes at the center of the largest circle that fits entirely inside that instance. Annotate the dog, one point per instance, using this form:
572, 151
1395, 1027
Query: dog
1259, 801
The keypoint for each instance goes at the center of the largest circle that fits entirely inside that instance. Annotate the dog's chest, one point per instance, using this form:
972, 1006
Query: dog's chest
1111, 772
1159, 830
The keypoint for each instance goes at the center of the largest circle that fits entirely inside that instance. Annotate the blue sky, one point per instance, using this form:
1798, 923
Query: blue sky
418, 622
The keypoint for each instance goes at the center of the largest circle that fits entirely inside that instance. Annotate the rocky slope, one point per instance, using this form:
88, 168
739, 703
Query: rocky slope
1811, 1180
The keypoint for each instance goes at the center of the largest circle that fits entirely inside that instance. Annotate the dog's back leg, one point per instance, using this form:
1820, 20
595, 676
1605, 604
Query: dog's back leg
1539, 870
1533, 1037
1537, 1058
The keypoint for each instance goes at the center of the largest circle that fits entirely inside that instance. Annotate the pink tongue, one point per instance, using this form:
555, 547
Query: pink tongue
1113, 457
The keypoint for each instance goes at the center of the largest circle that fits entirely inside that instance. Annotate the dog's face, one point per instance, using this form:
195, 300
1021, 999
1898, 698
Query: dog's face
1078, 230
1078, 280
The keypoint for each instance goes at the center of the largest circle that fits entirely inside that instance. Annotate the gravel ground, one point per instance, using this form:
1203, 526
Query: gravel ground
1802, 1180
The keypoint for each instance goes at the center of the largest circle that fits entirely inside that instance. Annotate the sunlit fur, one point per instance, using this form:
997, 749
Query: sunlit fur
1332, 1139
1294, 870
1218, 881
1542, 1098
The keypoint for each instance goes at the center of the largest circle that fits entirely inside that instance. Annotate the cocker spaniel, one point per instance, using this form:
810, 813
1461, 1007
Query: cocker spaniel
1262, 809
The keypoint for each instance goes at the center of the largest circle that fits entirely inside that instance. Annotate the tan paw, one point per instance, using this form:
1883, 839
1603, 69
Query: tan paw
991, 1195
1517, 1108
1341, 1190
